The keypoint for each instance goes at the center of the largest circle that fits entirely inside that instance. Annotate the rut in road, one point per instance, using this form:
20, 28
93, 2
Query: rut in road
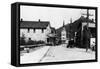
45, 54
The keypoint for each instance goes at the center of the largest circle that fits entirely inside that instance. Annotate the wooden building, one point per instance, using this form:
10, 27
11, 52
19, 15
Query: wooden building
36, 30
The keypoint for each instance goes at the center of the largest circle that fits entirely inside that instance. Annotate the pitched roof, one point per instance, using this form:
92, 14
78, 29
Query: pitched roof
52, 28
75, 25
34, 24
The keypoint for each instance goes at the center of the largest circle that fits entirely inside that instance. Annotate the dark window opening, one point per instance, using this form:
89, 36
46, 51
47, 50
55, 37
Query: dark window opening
42, 30
28, 30
34, 30
52, 31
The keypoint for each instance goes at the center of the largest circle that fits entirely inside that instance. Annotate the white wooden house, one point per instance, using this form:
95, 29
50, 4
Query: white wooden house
35, 30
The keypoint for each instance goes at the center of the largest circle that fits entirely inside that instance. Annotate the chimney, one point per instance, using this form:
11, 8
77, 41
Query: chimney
63, 23
39, 20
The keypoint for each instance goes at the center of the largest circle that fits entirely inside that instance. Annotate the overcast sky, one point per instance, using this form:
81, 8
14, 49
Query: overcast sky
55, 15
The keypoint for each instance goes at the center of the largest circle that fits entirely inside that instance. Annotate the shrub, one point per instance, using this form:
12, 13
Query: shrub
22, 41
31, 42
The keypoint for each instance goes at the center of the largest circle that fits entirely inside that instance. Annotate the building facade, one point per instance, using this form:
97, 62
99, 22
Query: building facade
34, 30
63, 34
91, 27
37, 31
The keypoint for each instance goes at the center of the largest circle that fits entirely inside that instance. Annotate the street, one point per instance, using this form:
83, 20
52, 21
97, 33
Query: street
57, 53
35, 56
60, 53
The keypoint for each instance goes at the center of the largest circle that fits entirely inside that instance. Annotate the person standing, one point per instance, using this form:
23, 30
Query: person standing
86, 37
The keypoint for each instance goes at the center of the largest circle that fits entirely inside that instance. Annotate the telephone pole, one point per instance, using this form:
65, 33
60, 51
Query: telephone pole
70, 29
87, 16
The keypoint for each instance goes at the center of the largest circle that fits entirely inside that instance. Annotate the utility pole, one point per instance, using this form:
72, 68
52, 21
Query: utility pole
70, 29
87, 17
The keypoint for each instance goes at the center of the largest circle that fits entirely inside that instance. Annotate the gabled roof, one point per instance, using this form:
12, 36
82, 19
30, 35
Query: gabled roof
76, 25
84, 19
34, 24
52, 28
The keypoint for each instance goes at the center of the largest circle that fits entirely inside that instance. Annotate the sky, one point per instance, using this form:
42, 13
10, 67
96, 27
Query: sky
56, 16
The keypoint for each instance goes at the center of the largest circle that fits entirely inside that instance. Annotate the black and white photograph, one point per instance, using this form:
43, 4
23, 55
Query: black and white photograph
57, 34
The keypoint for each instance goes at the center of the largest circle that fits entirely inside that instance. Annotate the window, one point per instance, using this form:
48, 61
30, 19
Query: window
63, 38
42, 30
34, 30
52, 31
63, 34
28, 30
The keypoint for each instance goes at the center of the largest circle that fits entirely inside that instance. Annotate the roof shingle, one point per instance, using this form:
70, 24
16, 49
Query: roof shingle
34, 24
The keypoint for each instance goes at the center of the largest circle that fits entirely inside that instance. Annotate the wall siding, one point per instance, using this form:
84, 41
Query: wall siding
37, 35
